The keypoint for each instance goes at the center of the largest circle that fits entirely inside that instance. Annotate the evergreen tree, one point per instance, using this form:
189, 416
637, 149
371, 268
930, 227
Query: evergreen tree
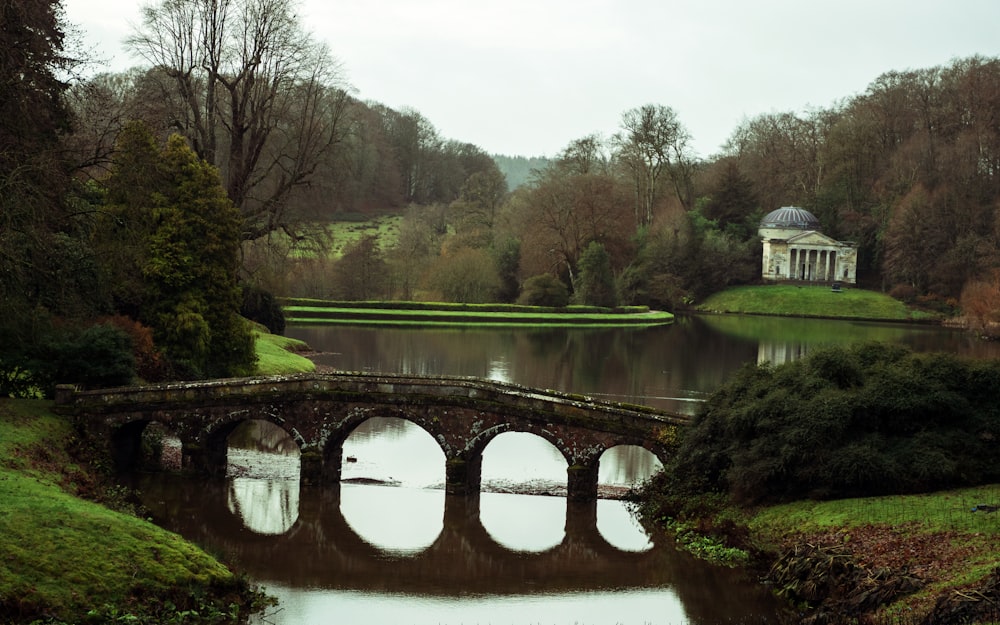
33, 177
595, 285
185, 243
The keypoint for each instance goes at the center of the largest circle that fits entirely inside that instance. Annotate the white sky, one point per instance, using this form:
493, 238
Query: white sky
527, 77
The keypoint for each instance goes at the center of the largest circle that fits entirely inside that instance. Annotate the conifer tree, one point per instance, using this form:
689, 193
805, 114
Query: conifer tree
186, 235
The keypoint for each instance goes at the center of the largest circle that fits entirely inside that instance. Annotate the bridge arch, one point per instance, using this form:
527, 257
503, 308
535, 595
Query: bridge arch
331, 447
208, 449
635, 464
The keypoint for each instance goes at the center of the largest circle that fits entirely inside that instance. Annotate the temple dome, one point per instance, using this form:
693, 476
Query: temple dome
789, 218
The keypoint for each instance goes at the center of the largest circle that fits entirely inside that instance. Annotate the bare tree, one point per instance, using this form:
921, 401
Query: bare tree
653, 147
564, 212
260, 98
585, 156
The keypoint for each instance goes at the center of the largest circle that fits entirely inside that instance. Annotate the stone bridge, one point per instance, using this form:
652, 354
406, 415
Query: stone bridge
319, 411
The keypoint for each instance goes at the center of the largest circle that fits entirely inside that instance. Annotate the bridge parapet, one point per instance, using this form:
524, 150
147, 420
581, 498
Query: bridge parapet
72, 401
320, 410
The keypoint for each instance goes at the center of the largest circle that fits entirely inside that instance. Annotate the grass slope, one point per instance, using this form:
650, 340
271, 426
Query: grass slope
341, 234
811, 301
62, 556
934, 536
277, 354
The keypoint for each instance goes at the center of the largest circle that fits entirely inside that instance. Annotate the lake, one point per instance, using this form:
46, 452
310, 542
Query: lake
387, 545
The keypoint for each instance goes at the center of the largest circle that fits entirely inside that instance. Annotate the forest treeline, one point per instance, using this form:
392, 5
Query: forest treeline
158, 195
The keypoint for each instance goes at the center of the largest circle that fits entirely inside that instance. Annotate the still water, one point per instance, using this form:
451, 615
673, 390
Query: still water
672, 367
388, 546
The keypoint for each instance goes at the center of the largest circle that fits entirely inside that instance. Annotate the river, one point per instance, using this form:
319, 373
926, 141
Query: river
388, 546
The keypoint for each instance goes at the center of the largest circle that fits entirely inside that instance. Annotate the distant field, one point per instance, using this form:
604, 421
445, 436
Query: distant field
346, 232
342, 233
811, 301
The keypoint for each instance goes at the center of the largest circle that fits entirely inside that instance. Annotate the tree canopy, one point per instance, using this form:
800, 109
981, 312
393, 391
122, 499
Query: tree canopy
182, 241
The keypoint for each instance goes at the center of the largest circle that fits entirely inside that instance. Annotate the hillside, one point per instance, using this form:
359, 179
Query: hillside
518, 169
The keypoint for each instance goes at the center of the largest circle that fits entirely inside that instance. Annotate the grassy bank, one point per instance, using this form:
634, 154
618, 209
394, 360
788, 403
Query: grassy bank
942, 542
63, 557
436, 314
812, 301
280, 354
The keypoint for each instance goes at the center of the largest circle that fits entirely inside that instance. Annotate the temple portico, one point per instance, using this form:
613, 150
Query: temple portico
794, 249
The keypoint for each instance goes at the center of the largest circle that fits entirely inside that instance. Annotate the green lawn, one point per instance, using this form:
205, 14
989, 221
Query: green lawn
467, 316
811, 301
278, 354
63, 556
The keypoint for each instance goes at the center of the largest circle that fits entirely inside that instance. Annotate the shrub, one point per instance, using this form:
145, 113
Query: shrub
261, 306
544, 290
845, 422
467, 275
904, 293
99, 356
149, 363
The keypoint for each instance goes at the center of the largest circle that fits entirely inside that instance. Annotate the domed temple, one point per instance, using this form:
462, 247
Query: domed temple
795, 249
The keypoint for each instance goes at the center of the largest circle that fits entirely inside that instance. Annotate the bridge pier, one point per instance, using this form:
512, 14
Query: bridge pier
203, 459
461, 512
463, 476
581, 483
581, 518
312, 469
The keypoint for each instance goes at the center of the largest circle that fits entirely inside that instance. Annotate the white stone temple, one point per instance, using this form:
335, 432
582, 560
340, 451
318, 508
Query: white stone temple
795, 249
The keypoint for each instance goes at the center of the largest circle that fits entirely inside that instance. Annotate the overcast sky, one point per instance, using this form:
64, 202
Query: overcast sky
527, 77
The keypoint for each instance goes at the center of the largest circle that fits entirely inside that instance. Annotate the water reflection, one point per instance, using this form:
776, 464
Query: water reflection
618, 526
519, 523
573, 608
392, 451
265, 506
627, 465
408, 553
464, 574
672, 367
263, 462
499, 370
396, 521
548, 541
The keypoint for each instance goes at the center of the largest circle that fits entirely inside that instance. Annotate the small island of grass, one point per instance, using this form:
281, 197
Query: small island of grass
812, 301
308, 311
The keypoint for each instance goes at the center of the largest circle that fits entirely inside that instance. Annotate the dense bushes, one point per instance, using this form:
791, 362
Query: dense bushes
871, 419
264, 308
544, 290
101, 355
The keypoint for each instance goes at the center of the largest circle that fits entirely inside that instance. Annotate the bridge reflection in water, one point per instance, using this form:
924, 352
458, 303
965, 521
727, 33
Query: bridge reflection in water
375, 553
320, 550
